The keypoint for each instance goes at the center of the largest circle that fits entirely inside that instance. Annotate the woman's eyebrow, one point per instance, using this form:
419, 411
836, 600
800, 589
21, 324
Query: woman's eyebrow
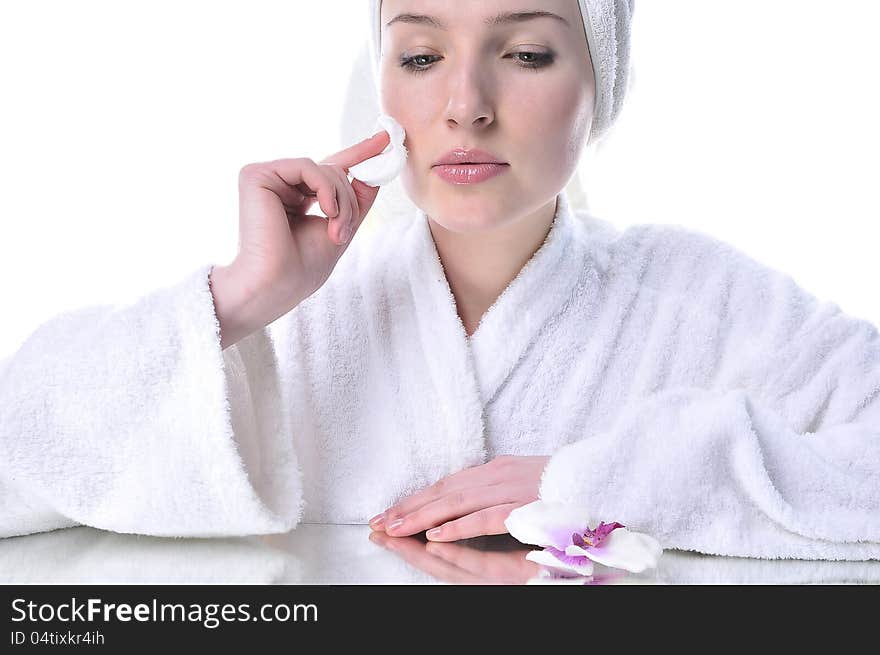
492, 21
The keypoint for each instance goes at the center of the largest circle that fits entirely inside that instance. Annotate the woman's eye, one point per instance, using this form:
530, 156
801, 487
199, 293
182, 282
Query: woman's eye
416, 63
534, 60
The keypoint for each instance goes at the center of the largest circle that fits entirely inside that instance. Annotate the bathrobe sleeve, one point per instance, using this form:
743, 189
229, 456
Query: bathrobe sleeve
132, 419
780, 460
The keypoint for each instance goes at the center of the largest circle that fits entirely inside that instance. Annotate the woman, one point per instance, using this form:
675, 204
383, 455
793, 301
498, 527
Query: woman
495, 349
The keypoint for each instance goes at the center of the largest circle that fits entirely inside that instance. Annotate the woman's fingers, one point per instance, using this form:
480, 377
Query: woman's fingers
364, 195
354, 214
485, 521
480, 475
292, 180
455, 504
359, 152
347, 206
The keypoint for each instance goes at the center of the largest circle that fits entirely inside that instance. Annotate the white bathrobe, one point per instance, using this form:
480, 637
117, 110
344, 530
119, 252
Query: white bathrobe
681, 388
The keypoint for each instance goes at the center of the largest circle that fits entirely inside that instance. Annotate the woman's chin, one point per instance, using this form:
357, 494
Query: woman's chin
464, 222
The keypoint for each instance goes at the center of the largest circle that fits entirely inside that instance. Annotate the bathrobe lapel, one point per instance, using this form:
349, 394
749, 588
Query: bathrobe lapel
468, 373
456, 402
514, 321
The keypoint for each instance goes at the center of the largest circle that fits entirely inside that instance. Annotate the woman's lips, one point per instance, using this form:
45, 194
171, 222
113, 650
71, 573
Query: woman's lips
469, 173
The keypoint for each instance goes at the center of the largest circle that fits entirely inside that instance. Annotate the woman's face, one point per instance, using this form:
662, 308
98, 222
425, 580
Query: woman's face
522, 90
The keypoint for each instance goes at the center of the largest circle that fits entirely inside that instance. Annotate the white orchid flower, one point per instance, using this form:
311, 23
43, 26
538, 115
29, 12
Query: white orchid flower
571, 547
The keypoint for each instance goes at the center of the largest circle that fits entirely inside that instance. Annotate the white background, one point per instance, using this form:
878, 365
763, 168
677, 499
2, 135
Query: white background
123, 127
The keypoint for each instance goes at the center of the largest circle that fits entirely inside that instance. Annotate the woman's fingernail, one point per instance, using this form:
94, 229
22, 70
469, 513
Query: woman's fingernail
433, 533
376, 521
395, 524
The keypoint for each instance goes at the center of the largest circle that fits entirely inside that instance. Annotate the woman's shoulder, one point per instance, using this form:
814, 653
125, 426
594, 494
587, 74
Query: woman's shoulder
675, 254
665, 243
671, 243
690, 267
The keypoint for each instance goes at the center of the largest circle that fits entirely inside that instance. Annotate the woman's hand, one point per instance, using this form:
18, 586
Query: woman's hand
467, 504
285, 253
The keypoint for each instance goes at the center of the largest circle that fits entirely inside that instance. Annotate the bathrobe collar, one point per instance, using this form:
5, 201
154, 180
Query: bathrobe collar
473, 370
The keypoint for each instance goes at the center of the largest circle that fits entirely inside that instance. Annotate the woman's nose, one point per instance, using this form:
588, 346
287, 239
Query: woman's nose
470, 96
471, 90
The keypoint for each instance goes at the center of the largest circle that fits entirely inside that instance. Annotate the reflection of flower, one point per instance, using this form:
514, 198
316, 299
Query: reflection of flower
571, 547
552, 576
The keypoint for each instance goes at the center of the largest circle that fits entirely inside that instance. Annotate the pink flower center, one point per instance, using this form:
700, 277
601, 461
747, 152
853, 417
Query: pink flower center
592, 538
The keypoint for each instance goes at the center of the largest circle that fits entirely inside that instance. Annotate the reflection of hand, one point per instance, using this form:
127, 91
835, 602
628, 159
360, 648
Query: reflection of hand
460, 564
467, 504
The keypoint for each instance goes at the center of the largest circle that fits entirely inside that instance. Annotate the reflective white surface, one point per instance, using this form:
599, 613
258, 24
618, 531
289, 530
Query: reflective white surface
345, 554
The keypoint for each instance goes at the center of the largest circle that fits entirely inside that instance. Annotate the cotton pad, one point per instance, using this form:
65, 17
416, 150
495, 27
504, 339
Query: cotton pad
384, 167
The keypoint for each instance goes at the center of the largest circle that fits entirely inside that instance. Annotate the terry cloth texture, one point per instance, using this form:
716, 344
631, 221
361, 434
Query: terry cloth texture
677, 385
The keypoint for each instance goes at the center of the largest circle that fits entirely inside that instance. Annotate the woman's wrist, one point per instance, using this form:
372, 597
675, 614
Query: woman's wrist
233, 305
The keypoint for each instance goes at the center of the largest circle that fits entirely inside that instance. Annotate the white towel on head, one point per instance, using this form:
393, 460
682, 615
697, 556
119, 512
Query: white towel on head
607, 25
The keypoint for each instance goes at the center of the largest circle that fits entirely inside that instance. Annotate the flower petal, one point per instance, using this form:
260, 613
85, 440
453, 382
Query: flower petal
604, 529
622, 549
546, 524
571, 549
558, 562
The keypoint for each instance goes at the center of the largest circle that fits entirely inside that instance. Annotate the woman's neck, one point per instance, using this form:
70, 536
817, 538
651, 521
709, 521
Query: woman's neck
480, 266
